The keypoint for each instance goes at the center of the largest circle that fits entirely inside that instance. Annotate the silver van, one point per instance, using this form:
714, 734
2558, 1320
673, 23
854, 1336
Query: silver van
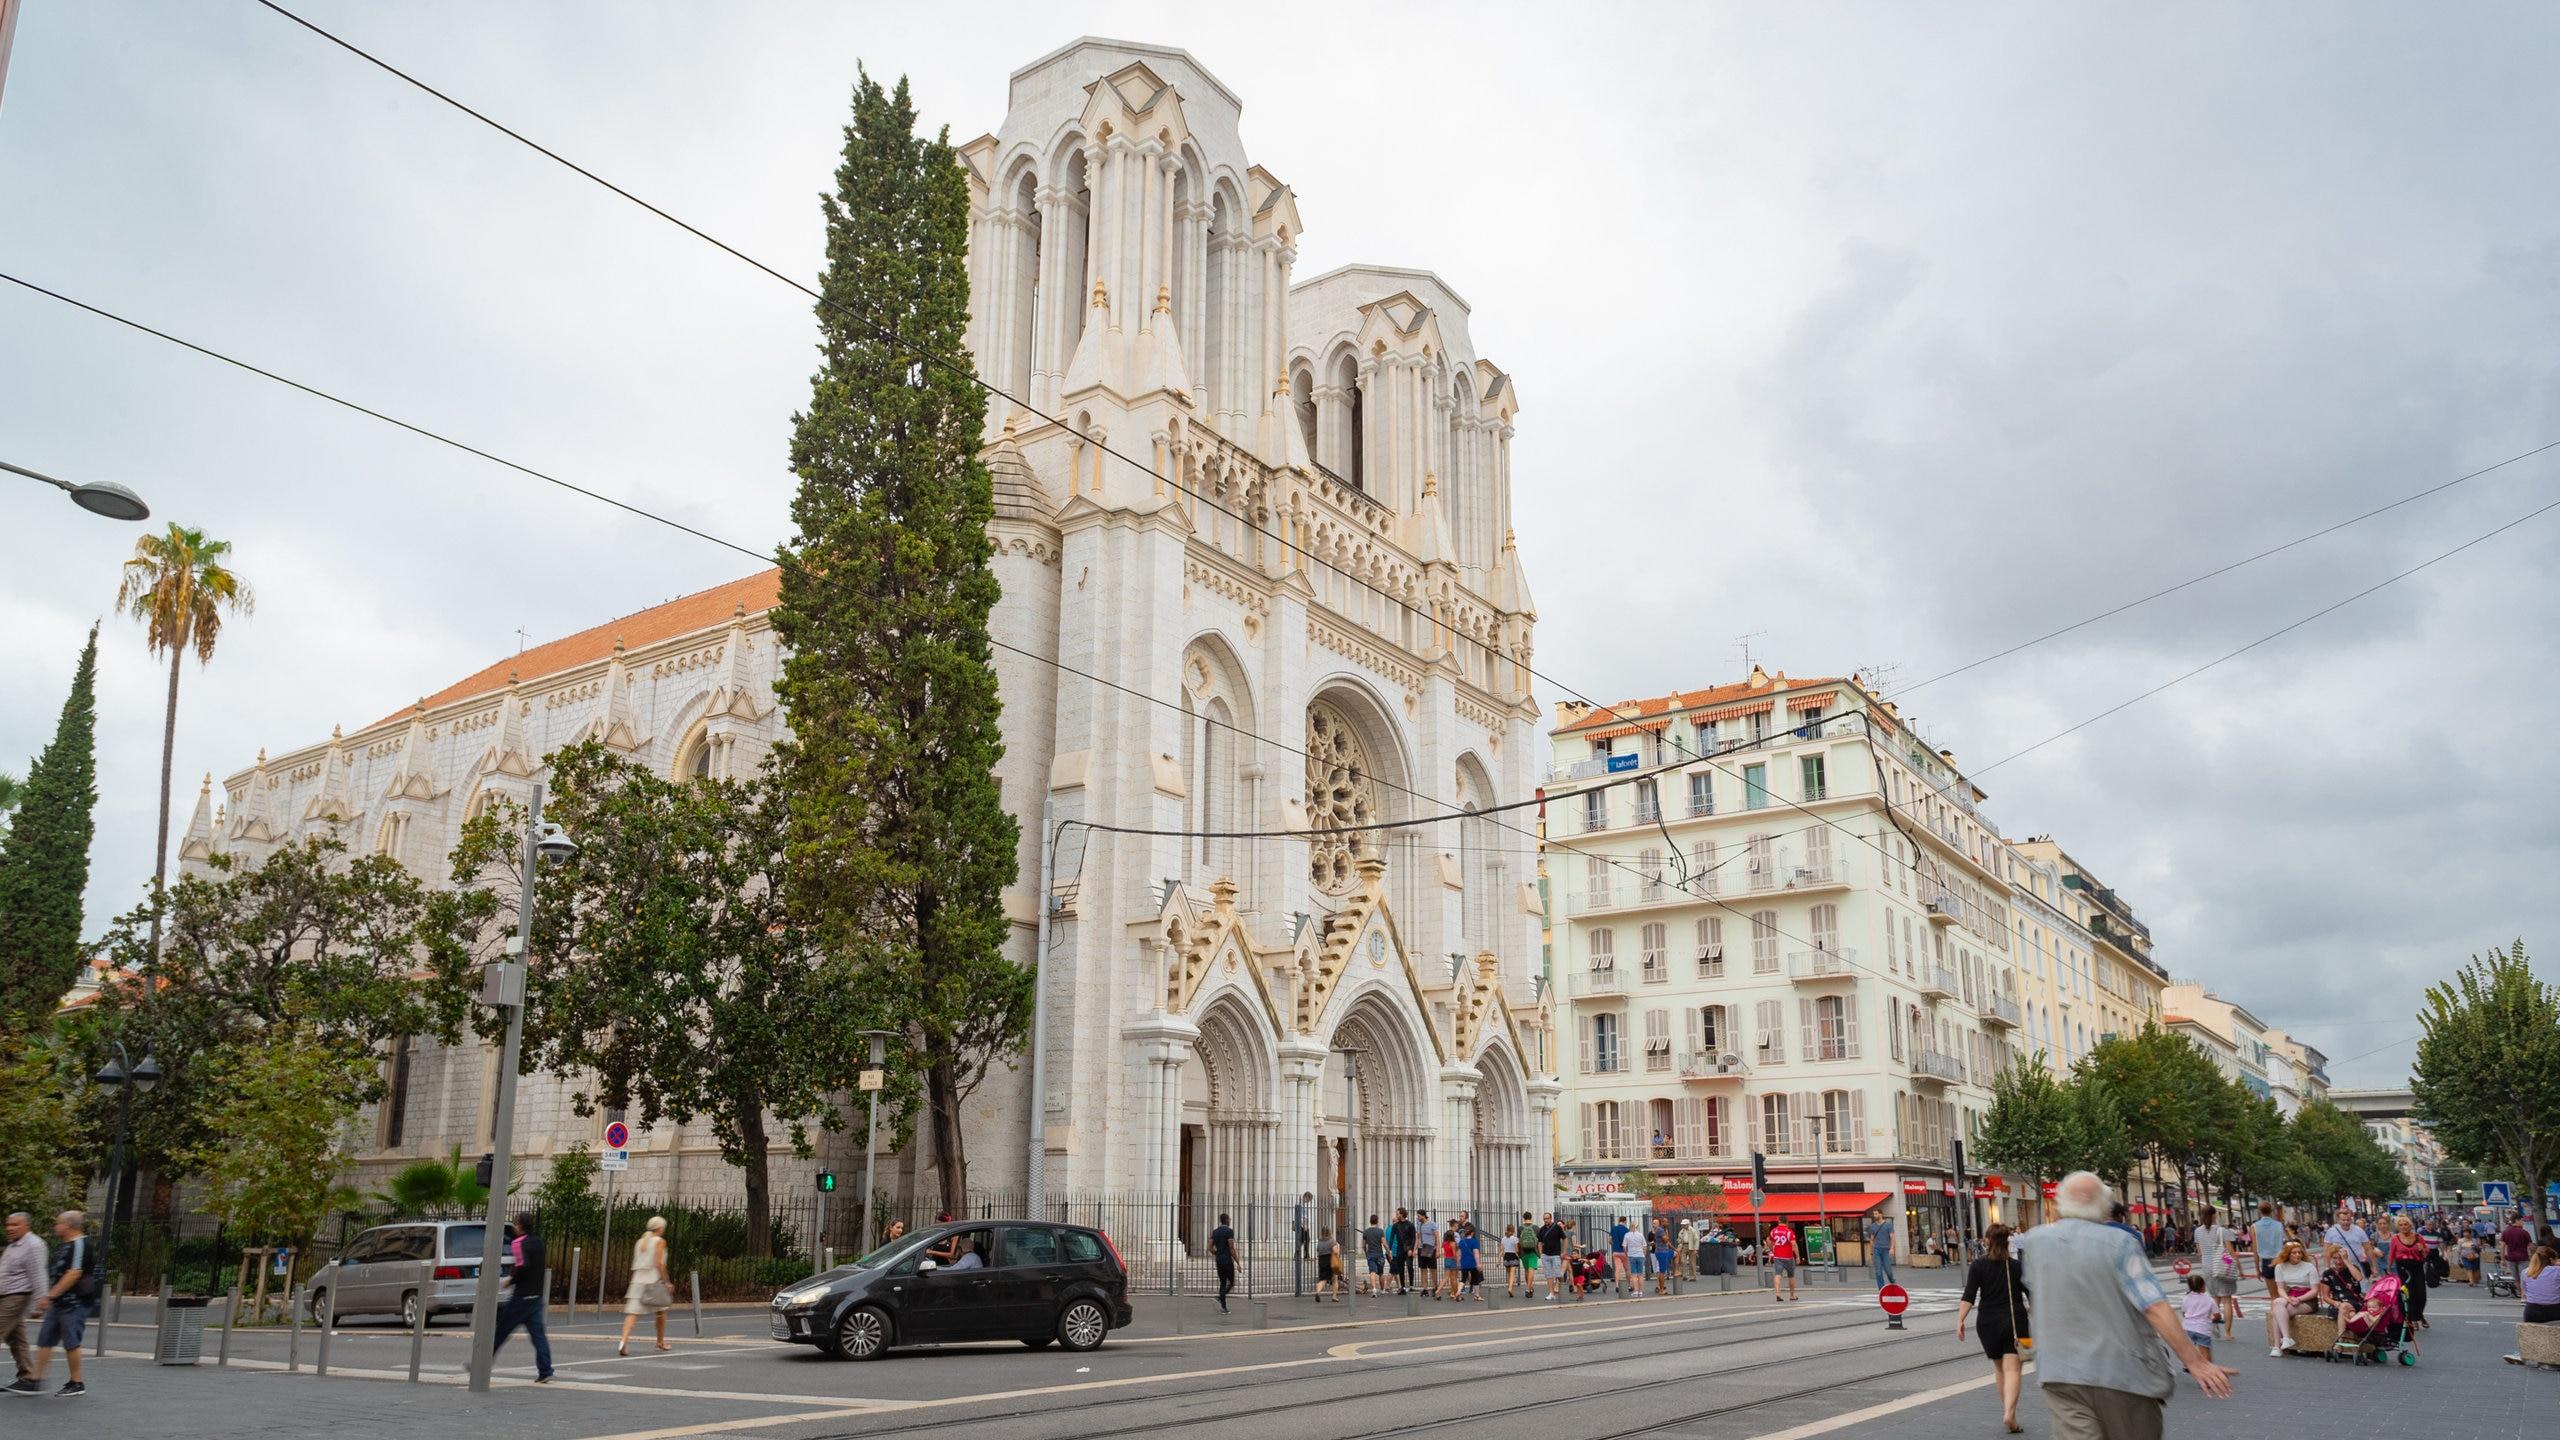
394, 1269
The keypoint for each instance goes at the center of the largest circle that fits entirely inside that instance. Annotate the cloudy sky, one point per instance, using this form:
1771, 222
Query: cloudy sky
1889, 335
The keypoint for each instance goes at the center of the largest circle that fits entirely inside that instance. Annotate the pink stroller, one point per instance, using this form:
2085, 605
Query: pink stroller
2377, 1331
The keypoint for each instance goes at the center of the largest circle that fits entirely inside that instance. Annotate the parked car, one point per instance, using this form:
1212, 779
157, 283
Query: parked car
379, 1273
977, 1280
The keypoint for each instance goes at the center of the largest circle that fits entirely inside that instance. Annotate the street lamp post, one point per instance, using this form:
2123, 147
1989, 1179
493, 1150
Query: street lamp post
872, 1080
98, 497
128, 1077
503, 986
1350, 1158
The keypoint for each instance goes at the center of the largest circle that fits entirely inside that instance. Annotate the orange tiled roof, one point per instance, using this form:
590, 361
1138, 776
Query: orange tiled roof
1691, 700
681, 616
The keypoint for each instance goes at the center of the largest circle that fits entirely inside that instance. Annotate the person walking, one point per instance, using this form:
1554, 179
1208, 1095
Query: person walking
1222, 1249
525, 1302
1470, 1264
2351, 1237
1400, 1243
1449, 1277
1997, 1284
1426, 1251
1373, 1254
1684, 1249
1782, 1259
1298, 1220
1880, 1249
1662, 1256
62, 1311
2219, 1264
648, 1293
2101, 1320
2266, 1242
1511, 1259
1324, 1267
2516, 1242
22, 1279
2407, 1253
1551, 1255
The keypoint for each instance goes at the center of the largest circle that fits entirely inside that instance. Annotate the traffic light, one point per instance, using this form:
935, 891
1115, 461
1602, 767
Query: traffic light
487, 1169
826, 1182
1759, 1172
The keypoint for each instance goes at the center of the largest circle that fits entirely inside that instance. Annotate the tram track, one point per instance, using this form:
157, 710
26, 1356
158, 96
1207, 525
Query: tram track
1726, 1330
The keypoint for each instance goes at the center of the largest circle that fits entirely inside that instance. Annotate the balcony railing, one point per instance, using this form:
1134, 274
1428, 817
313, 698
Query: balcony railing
1594, 820
1648, 812
2001, 1010
1596, 984
1944, 907
1712, 1065
1823, 870
1938, 982
1656, 971
1586, 901
1813, 966
1930, 1065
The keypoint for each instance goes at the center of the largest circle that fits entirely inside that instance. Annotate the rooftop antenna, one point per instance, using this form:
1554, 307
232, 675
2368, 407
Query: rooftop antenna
522, 639
1879, 677
1743, 643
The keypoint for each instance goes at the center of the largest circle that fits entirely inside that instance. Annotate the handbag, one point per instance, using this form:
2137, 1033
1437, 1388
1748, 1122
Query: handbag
656, 1296
2017, 1318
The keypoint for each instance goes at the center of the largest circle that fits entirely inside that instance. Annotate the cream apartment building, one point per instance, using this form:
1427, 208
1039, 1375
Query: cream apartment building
2120, 990
1756, 953
2235, 1038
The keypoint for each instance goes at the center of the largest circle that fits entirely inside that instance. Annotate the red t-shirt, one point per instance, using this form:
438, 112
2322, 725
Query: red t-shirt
1782, 1243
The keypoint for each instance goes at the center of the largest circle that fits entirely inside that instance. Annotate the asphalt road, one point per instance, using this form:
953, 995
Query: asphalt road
1710, 1366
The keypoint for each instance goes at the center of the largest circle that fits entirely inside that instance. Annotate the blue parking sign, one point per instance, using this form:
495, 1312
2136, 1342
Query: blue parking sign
2499, 1193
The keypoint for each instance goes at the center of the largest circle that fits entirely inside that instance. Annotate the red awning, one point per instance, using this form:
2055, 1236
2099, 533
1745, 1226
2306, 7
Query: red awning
1738, 1213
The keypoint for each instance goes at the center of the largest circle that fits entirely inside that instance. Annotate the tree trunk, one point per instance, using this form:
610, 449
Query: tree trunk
160, 837
950, 1156
756, 1146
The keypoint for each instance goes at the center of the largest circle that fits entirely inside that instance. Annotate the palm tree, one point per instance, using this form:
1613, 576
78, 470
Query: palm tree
176, 585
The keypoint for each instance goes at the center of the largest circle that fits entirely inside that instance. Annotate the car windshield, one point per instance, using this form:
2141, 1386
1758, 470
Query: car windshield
888, 1254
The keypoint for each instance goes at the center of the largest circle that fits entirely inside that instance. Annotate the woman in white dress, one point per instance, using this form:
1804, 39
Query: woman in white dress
649, 1293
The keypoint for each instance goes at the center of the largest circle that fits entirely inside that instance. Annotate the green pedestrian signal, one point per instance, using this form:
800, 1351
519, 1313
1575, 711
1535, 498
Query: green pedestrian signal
826, 1182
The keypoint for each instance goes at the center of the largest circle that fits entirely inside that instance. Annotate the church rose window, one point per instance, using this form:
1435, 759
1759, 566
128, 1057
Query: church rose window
1340, 794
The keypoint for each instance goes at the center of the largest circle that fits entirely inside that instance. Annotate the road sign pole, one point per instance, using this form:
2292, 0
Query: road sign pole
1894, 1300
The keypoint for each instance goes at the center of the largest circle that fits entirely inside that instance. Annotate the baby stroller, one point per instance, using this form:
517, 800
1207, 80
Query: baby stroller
2378, 1331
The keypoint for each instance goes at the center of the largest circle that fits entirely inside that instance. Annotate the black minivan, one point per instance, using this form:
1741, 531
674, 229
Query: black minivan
976, 1280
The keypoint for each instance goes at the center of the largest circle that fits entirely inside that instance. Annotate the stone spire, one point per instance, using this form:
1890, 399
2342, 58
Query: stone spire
611, 722
331, 802
414, 776
509, 754
201, 837
1431, 526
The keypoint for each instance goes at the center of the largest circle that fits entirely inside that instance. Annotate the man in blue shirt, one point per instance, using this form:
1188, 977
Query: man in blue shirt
1618, 1251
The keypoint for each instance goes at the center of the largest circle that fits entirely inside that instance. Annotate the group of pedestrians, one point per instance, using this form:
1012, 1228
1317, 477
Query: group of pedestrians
1410, 1252
51, 1290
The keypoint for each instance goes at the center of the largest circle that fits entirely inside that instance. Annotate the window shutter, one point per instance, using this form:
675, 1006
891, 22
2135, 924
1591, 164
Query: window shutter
1857, 1122
1694, 1017
1584, 1056
1849, 1022
1590, 1135
1804, 1019
1686, 1129
1892, 1031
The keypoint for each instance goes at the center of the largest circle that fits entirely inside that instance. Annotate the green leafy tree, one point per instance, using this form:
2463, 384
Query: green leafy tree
44, 861
355, 952
42, 1161
177, 585
672, 976
2487, 1077
2347, 1160
275, 1109
566, 1199
12, 790
2105, 1146
2033, 1126
900, 847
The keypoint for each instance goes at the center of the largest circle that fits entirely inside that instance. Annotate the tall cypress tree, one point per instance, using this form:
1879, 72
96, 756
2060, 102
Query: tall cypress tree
899, 846
44, 861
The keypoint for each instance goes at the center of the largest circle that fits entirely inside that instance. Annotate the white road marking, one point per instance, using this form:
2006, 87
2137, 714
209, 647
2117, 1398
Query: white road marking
1830, 1423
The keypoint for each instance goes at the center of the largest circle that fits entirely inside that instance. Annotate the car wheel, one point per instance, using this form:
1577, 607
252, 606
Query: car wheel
409, 1310
863, 1334
1037, 1342
316, 1306
1082, 1325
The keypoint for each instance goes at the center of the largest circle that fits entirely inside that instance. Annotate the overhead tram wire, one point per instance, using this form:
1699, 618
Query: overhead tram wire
1449, 814
960, 368
2272, 635
968, 373
1774, 737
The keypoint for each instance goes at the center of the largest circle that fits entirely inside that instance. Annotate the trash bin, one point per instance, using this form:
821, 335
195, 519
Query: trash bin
181, 1337
1717, 1257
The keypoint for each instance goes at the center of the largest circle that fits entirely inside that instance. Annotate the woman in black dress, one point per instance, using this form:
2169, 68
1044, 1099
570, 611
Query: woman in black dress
1997, 1285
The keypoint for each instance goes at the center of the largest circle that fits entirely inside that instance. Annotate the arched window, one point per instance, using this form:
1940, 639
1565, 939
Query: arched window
1022, 286
1764, 942
693, 757
1302, 400
1218, 360
1777, 1124
1352, 448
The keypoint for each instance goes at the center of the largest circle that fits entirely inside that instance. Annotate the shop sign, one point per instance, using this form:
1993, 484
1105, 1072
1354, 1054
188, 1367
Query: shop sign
1737, 1184
1915, 1187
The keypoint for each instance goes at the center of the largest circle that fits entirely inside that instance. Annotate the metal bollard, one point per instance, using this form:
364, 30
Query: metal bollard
418, 1324
230, 1322
1412, 1301
159, 1313
293, 1342
575, 1255
1261, 1314
693, 1279
328, 1327
826, 1257
106, 1311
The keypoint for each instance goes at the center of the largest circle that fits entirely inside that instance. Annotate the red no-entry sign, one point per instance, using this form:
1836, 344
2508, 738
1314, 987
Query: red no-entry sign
1894, 1299
2182, 1267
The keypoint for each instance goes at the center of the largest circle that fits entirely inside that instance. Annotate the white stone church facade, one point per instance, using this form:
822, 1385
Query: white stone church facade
1300, 610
